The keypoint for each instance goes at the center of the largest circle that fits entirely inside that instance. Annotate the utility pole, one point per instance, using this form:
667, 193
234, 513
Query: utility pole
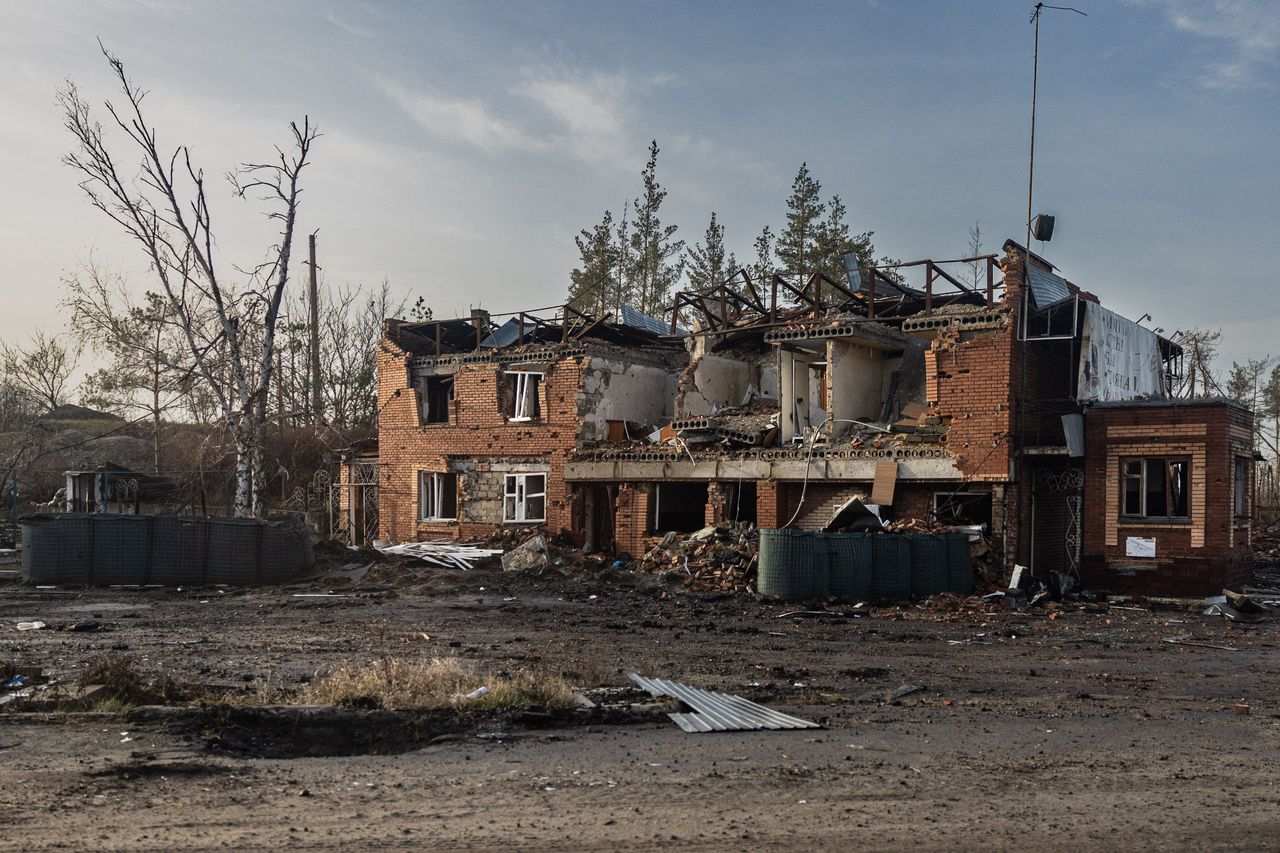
317, 403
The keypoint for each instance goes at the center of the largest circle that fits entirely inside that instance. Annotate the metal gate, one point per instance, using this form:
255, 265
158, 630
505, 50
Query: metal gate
1056, 530
354, 504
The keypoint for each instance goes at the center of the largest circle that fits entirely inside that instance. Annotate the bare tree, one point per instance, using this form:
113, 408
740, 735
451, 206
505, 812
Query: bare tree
165, 208
977, 269
147, 366
42, 369
1200, 347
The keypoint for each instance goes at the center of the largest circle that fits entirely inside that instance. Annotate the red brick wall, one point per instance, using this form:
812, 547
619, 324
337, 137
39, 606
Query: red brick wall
1199, 557
477, 431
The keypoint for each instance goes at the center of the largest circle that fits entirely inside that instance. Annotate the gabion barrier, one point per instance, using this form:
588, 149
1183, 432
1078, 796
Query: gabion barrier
798, 564
99, 549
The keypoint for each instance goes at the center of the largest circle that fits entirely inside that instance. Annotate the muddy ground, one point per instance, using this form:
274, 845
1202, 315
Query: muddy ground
1070, 729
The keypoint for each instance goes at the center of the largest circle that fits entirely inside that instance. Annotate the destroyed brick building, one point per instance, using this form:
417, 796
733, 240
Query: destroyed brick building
993, 392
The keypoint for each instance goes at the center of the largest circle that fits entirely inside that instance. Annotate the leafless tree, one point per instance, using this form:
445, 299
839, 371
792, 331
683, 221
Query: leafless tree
147, 366
42, 369
1200, 348
165, 208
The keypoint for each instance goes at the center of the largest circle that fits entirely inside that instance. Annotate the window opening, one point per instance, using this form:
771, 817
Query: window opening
523, 403
437, 399
679, 507
525, 498
1155, 488
437, 496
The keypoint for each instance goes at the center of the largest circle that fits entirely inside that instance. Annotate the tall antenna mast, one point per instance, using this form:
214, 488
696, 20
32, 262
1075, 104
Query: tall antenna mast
1035, 80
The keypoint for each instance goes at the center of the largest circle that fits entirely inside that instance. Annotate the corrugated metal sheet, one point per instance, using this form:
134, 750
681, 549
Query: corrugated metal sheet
505, 335
718, 712
1046, 288
629, 316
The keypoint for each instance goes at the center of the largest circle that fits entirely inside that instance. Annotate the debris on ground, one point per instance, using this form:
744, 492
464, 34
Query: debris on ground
527, 556
718, 712
721, 557
447, 553
1185, 640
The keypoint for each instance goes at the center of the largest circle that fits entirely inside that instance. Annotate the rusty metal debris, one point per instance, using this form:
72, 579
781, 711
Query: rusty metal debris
718, 712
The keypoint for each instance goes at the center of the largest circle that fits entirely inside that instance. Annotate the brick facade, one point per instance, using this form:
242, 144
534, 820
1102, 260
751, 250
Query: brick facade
1199, 555
1000, 401
479, 444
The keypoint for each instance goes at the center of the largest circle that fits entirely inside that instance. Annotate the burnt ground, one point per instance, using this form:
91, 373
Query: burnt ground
1038, 729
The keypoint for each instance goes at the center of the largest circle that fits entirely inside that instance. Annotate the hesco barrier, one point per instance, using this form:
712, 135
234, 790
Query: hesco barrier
100, 549
797, 564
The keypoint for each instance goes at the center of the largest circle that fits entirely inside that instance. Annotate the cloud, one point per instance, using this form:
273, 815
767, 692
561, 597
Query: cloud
1250, 29
348, 27
469, 120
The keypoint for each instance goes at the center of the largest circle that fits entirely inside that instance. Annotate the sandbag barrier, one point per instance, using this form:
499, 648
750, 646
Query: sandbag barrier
101, 549
799, 564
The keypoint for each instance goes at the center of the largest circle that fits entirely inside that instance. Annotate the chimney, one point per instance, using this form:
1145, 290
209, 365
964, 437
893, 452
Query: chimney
480, 319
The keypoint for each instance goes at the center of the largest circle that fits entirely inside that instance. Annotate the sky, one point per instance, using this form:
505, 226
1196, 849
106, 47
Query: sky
465, 144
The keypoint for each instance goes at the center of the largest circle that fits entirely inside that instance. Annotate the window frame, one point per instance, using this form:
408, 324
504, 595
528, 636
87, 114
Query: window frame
519, 391
427, 410
1144, 462
516, 488
1240, 497
431, 486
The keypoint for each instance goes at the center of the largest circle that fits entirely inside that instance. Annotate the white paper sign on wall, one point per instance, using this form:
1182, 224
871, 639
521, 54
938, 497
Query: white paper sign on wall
1139, 546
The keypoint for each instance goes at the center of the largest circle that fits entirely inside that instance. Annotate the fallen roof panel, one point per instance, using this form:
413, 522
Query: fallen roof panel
718, 712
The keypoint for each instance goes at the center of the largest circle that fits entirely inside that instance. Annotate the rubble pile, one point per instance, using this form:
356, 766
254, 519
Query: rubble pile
720, 558
754, 424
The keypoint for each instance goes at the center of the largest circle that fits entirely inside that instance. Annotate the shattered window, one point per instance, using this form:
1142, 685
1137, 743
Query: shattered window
437, 496
1155, 488
1241, 488
436, 397
524, 498
522, 401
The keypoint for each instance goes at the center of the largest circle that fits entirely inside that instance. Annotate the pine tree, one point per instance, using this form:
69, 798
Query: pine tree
658, 257
594, 287
708, 266
763, 269
797, 244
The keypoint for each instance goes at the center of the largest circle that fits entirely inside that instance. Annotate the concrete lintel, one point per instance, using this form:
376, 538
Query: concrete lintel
753, 469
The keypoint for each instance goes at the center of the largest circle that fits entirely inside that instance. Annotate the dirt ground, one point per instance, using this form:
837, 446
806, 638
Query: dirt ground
1070, 729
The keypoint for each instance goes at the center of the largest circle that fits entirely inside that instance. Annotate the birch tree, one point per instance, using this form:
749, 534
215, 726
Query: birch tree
164, 205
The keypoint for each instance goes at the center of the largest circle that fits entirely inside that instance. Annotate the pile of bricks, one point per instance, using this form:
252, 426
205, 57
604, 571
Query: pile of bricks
720, 558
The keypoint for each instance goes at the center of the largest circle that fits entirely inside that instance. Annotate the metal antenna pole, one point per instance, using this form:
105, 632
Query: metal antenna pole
1035, 79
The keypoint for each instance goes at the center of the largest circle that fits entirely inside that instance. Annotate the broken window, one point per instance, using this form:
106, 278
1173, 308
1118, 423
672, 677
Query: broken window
1155, 488
1241, 488
524, 498
522, 398
437, 496
679, 507
740, 503
437, 398
962, 508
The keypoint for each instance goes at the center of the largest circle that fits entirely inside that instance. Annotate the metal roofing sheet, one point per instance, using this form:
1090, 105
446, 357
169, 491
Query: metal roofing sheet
505, 335
718, 712
1046, 288
629, 316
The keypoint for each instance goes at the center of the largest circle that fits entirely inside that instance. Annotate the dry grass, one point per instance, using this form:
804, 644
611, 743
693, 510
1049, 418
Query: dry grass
126, 686
395, 684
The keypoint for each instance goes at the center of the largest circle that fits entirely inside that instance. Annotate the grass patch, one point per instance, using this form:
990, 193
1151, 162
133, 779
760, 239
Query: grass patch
394, 684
